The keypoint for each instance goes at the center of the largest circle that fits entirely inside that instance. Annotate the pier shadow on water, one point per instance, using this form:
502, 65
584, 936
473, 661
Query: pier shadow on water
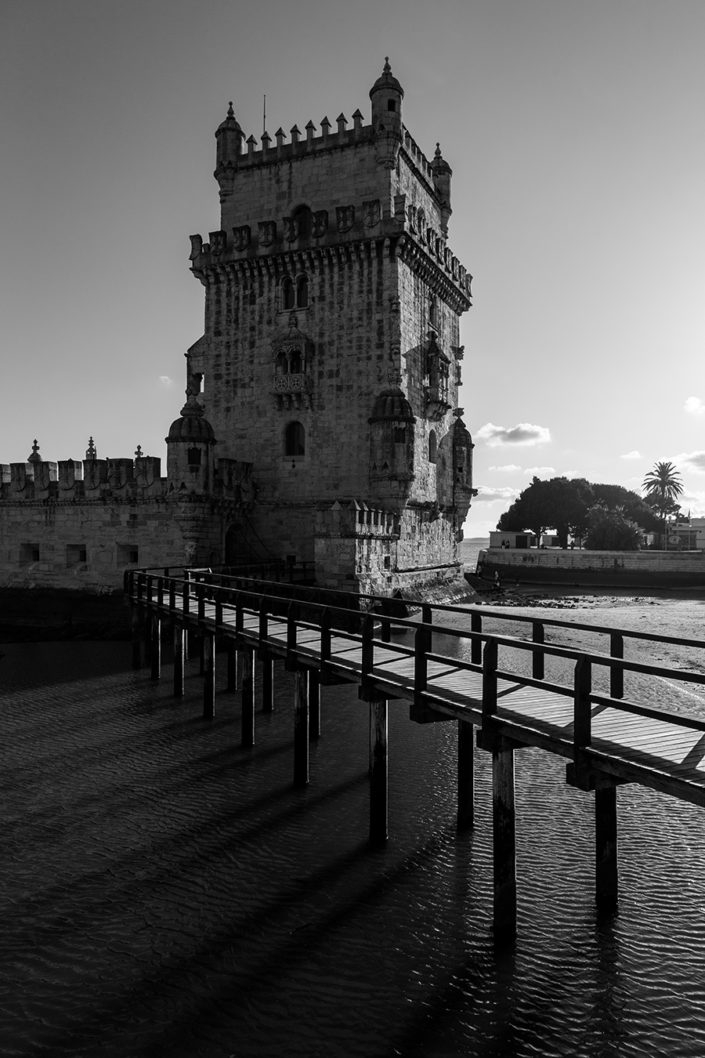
168, 893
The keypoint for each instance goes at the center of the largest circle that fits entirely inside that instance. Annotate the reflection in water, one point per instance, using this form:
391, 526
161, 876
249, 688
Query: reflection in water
169, 893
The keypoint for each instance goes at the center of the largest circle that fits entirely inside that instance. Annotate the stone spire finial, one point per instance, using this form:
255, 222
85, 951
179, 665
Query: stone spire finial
35, 456
138, 452
91, 452
231, 112
386, 68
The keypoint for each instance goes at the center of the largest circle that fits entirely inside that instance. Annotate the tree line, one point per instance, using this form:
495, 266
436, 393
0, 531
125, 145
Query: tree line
603, 517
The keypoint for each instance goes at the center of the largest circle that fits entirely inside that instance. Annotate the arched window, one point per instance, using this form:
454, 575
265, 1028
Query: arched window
193, 455
287, 293
432, 447
302, 292
433, 311
281, 366
294, 439
400, 435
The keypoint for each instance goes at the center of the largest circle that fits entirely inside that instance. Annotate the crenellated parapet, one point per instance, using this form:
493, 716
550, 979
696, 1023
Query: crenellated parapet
279, 245
129, 480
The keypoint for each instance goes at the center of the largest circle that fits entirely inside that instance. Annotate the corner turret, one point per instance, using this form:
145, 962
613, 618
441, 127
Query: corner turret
189, 448
386, 95
229, 139
442, 173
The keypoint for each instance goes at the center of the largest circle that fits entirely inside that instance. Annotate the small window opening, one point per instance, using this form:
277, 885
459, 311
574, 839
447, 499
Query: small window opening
193, 456
400, 435
432, 447
391, 104
76, 554
128, 554
387, 562
302, 292
294, 439
29, 553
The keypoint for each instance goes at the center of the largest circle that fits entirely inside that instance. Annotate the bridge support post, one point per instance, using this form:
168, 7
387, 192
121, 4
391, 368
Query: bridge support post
155, 646
379, 757
466, 775
136, 626
232, 665
504, 845
314, 704
267, 683
247, 738
301, 721
208, 656
179, 658
606, 874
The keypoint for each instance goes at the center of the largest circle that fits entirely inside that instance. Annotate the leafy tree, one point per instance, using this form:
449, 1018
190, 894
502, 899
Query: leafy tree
615, 497
611, 530
563, 504
559, 504
663, 486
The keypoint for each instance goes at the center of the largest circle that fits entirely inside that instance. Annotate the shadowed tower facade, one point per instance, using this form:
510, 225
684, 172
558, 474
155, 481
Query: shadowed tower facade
331, 359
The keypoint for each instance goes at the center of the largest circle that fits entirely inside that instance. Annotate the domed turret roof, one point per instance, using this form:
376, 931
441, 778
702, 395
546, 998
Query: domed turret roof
191, 426
231, 123
391, 404
386, 81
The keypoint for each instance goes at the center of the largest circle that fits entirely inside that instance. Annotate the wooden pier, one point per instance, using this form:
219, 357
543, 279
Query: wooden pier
445, 673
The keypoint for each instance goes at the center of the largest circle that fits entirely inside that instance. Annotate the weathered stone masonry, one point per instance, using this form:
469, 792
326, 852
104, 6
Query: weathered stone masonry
321, 419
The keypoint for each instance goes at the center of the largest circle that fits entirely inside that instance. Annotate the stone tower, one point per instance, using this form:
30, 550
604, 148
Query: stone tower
331, 357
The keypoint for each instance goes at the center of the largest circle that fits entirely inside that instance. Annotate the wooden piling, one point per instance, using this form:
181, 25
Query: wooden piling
379, 786
232, 665
248, 697
137, 634
155, 647
208, 661
466, 775
301, 736
504, 847
267, 683
606, 874
314, 704
179, 659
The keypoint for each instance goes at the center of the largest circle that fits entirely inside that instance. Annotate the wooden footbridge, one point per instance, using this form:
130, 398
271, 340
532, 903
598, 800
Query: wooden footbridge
495, 683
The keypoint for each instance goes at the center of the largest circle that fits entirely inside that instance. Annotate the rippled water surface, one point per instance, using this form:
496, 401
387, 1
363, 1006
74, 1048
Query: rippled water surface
167, 893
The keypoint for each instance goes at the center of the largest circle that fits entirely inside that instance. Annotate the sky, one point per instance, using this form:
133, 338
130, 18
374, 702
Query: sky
575, 132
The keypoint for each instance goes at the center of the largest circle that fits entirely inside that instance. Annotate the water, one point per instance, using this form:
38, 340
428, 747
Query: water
166, 893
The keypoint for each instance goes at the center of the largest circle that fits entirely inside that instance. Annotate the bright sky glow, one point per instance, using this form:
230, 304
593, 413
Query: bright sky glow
575, 134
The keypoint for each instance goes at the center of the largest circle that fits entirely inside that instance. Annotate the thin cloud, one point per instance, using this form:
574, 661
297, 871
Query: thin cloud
631, 455
536, 472
166, 381
694, 406
491, 495
506, 468
690, 461
524, 433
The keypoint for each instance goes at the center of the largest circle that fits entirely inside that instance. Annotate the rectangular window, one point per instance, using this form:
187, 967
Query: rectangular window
76, 554
29, 553
127, 554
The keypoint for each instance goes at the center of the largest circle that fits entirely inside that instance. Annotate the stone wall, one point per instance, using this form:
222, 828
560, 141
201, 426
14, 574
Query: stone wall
638, 568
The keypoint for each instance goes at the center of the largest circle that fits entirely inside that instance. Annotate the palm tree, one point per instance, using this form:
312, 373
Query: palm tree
662, 486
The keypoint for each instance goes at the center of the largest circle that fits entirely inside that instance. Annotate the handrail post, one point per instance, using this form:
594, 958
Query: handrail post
616, 671
489, 680
539, 658
476, 644
581, 716
292, 611
325, 639
367, 645
421, 647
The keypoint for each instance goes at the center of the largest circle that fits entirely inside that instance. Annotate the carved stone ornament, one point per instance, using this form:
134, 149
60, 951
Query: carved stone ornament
241, 237
345, 216
290, 233
267, 232
320, 223
371, 213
